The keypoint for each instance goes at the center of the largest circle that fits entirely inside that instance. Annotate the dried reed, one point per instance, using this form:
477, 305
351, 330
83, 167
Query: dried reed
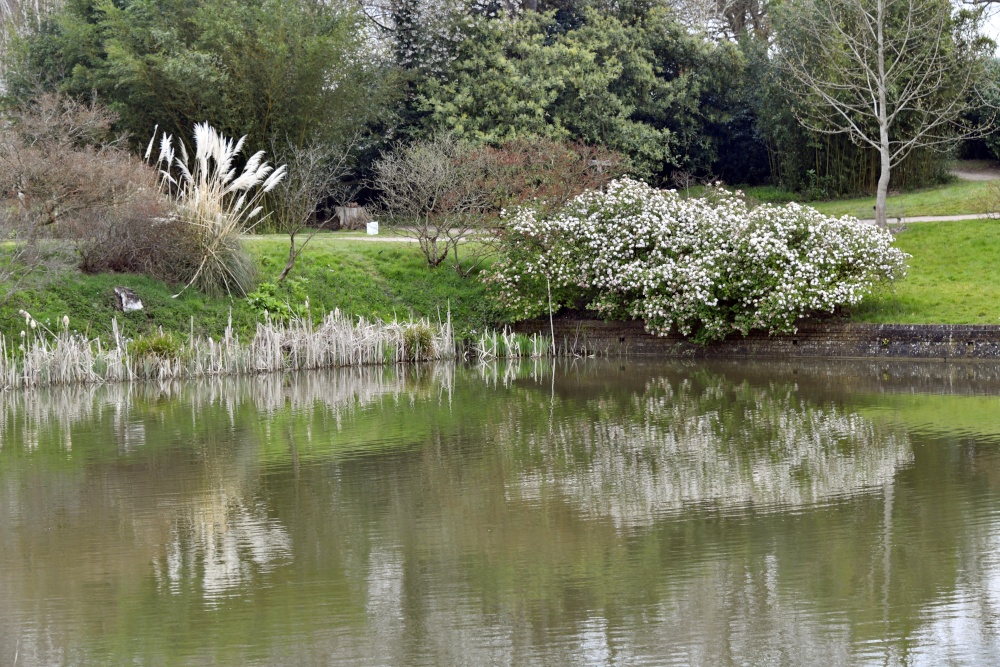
47, 358
506, 344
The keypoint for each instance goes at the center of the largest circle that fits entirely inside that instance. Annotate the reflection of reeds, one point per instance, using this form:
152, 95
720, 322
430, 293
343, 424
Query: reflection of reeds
47, 415
46, 358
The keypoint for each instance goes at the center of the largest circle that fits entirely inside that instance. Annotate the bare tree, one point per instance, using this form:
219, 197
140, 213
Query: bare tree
434, 191
893, 74
724, 19
63, 176
315, 179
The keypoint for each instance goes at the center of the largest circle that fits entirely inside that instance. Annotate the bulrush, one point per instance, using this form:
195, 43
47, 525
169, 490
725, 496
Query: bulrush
45, 358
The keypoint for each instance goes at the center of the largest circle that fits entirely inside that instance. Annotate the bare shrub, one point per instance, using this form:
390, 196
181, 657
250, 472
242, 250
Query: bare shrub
315, 178
547, 174
446, 193
64, 180
436, 192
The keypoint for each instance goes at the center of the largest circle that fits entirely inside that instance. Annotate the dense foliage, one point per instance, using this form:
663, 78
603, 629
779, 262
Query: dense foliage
703, 267
684, 90
283, 68
646, 89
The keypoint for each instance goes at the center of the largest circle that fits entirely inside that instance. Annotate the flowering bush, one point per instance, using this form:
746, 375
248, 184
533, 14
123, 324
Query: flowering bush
704, 268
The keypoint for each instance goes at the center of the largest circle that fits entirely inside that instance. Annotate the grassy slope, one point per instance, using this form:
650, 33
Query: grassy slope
373, 279
958, 198
952, 277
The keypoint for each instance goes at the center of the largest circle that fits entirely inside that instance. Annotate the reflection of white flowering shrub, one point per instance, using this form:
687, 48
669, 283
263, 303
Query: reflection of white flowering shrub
706, 268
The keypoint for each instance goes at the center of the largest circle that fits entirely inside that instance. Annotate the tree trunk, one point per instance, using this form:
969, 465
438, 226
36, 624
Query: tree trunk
882, 192
291, 259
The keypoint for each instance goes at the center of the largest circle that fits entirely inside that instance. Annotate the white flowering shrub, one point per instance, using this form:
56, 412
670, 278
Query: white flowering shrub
703, 268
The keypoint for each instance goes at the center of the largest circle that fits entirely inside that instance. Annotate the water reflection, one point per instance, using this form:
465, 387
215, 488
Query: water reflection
703, 440
220, 545
591, 514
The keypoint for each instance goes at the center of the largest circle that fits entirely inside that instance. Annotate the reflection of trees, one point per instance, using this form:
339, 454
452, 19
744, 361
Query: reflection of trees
682, 443
604, 515
221, 543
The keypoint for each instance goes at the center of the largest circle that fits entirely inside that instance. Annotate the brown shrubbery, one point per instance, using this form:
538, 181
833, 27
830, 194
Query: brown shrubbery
67, 182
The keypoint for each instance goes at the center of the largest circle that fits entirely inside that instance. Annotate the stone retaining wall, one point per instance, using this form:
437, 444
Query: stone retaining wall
813, 339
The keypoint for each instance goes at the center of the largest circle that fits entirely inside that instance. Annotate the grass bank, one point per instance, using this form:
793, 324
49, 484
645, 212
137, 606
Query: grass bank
952, 279
956, 198
382, 280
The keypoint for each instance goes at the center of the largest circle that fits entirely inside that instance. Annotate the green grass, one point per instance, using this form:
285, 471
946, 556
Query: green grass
957, 198
952, 279
373, 279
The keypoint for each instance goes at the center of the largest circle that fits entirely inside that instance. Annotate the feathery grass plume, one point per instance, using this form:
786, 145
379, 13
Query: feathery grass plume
220, 202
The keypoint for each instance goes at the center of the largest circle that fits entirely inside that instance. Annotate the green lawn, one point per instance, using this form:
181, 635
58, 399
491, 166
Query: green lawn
952, 280
953, 276
958, 198
371, 279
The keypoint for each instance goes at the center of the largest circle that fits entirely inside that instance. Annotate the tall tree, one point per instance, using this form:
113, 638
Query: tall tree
295, 69
893, 74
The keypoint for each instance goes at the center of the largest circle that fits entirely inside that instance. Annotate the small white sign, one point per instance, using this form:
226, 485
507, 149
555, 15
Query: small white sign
373, 228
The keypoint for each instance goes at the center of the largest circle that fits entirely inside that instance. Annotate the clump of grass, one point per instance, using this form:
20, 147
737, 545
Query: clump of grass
418, 342
220, 204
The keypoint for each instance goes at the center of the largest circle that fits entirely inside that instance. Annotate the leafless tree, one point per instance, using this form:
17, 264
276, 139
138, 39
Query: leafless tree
315, 178
893, 74
434, 191
724, 19
67, 184
18, 17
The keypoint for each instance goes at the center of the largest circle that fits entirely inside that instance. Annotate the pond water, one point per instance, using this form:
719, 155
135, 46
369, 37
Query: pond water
580, 513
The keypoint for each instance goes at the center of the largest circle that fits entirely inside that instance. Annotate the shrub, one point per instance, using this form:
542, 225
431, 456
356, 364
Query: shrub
547, 174
63, 176
281, 305
705, 269
219, 202
155, 347
434, 191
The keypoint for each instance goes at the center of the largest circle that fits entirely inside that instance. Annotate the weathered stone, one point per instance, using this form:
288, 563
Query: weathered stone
127, 300
835, 339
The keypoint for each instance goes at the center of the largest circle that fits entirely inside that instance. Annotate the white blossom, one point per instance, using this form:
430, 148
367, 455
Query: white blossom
702, 268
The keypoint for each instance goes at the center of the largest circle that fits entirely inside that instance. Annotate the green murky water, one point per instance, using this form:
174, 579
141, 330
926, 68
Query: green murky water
595, 513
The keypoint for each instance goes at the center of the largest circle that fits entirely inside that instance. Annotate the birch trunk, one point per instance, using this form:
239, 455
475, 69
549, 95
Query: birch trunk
885, 156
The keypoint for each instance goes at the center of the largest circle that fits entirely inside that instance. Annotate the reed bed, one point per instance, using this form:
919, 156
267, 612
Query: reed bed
47, 358
506, 344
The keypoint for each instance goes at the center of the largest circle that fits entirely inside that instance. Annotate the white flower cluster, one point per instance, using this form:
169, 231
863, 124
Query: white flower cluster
703, 268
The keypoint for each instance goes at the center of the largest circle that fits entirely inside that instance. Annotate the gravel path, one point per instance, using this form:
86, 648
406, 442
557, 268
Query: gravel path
936, 218
988, 174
